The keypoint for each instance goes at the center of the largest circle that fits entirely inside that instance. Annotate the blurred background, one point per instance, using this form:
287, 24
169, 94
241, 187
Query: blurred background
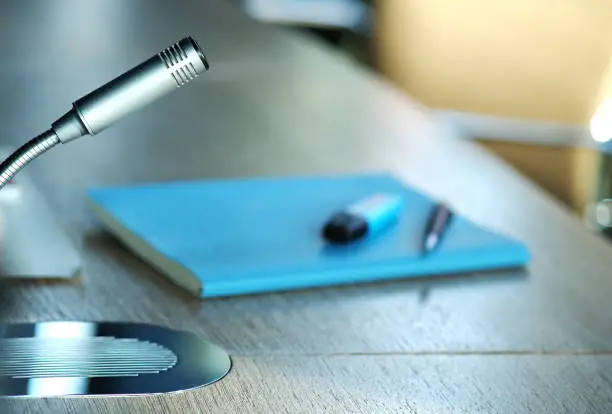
529, 79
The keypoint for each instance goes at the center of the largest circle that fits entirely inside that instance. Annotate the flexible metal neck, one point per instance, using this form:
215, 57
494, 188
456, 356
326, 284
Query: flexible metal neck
25, 154
156, 77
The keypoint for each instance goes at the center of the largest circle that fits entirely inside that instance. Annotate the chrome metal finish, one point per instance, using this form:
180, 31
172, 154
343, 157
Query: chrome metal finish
140, 86
184, 60
25, 154
83, 358
136, 88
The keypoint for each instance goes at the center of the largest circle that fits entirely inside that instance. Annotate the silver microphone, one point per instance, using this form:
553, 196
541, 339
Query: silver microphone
164, 72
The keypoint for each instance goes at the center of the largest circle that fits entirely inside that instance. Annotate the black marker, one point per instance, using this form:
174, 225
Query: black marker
437, 224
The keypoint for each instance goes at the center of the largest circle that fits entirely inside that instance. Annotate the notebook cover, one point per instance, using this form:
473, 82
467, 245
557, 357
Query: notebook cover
242, 236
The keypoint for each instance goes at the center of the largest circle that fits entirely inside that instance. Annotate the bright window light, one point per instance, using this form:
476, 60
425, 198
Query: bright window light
601, 122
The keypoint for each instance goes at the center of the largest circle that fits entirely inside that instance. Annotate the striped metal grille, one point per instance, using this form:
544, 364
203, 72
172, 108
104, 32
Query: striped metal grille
40, 357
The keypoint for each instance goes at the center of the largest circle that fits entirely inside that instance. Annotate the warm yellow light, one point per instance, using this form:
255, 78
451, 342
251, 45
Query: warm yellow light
601, 122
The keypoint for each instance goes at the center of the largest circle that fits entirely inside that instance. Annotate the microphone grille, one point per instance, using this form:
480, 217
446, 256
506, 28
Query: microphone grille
88, 357
183, 61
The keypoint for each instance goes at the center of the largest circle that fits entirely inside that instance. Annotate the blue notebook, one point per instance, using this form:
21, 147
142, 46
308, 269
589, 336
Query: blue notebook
241, 236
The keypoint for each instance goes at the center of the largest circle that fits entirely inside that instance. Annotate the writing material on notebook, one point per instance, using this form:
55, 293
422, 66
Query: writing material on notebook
437, 224
241, 236
364, 218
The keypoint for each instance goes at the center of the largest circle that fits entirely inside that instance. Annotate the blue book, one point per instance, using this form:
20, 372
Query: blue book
250, 235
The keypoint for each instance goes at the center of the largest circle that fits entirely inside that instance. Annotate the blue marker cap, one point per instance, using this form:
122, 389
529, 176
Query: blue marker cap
365, 217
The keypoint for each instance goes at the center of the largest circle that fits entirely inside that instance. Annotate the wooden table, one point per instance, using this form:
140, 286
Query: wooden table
275, 103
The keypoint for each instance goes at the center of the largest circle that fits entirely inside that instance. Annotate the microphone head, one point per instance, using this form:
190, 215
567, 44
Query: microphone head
168, 70
184, 60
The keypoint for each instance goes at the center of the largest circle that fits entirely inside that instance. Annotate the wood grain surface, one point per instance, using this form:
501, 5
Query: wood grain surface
278, 103
381, 383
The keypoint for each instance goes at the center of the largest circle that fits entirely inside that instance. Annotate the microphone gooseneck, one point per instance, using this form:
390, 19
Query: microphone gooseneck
156, 77
26, 153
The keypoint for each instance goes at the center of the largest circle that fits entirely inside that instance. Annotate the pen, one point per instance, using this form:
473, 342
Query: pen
437, 224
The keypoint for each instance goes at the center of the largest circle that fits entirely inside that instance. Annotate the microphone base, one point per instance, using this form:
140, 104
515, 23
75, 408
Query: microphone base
32, 245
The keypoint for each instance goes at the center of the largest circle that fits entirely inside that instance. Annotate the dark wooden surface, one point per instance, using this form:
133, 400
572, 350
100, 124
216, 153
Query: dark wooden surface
276, 103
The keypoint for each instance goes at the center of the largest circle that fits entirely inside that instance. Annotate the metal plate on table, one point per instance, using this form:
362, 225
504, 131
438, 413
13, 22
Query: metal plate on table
87, 358
32, 245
